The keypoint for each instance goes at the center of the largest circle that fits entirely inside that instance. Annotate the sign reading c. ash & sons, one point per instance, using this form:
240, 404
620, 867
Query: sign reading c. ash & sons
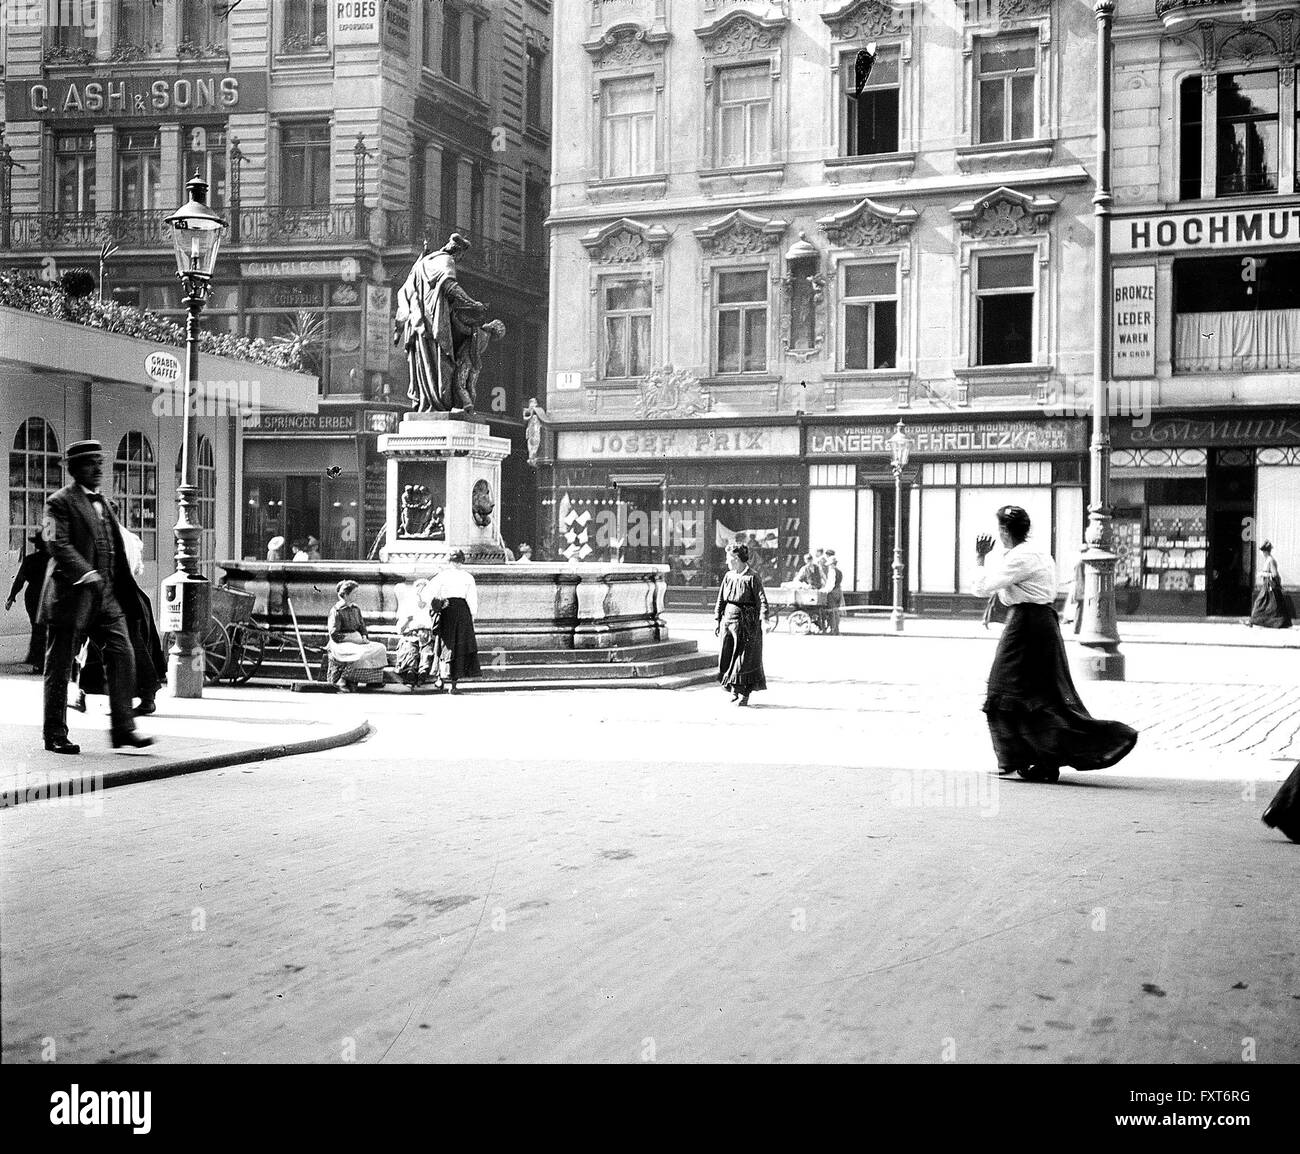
101, 97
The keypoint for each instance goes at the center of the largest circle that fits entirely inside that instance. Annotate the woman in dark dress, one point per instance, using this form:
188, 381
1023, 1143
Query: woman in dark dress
1272, 609
454, 587
741, 608
31, 576
1036, 720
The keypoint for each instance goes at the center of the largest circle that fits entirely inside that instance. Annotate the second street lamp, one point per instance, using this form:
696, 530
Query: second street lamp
196, 238
900, 449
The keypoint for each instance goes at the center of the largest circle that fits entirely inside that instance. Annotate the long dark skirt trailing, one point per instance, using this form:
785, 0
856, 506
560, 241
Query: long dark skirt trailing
456, 632
1272, 607
1283, 812
740, 663
1034, 713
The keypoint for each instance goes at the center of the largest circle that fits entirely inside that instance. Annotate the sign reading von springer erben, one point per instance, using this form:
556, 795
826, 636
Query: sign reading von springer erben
1189, 231
951, 437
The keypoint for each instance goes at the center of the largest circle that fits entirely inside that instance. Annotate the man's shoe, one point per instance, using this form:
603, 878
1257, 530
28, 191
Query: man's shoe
60, 745
145, 708
132, 740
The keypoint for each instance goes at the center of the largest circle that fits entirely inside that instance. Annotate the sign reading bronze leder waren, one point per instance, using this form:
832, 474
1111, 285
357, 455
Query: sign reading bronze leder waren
1133, 321
645, 444
933, 438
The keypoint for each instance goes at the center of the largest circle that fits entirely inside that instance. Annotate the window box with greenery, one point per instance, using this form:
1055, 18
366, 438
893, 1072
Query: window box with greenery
306, 27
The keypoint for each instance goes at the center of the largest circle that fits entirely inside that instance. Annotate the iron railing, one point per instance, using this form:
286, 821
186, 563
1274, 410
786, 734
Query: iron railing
485, 256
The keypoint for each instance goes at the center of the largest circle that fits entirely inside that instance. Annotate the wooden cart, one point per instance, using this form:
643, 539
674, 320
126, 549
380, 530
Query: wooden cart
803, 609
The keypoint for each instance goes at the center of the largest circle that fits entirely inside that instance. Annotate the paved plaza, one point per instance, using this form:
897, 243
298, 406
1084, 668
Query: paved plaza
624, 876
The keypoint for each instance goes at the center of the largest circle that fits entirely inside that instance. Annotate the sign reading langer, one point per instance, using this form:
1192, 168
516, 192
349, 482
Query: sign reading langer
1133, 321
643, 444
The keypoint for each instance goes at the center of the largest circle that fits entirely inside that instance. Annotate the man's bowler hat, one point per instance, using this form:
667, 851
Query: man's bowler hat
81, 451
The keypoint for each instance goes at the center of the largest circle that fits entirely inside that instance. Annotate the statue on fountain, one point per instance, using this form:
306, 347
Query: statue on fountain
444, 331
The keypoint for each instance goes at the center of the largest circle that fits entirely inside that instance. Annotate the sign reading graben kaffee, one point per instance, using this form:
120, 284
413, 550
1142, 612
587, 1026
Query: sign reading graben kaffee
936, 438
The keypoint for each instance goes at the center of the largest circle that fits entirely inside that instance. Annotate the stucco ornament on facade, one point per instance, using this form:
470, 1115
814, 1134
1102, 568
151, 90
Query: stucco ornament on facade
626, 44
670, 392
868, 224
740, 34
864, 19
741, 233
626, 241
1022, 9
1005, 212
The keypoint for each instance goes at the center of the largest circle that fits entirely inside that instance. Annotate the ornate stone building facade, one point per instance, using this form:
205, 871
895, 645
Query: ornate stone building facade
758, 270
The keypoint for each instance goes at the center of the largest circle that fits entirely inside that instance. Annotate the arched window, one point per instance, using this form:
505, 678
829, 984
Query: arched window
34, 473
205, 480
135, 489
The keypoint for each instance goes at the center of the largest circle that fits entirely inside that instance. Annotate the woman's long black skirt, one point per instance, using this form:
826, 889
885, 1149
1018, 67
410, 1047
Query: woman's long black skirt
1270, 610
456, 632
1034, 713
740, 663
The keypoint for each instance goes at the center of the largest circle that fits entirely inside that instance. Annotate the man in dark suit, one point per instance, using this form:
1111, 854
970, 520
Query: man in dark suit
87, 584
834, 593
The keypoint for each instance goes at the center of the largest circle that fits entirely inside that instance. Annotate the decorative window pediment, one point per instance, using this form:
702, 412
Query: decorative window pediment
738, 33
626, 241
865, 19
1005, 212
741, 232
868, 224
626, 43
1022, 9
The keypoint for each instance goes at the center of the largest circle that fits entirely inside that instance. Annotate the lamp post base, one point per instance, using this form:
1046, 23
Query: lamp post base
185, 667
1097, 664
896, 617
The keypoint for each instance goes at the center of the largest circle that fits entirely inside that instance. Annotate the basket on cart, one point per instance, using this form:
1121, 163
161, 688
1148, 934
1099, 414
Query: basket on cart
803, 607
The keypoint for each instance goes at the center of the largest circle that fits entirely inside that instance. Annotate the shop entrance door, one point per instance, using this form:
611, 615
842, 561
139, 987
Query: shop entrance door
1231, 509
640, 524
883, 544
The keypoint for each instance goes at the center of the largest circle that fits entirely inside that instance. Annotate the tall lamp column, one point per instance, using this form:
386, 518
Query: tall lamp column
196, 237
1099, 658
900, 449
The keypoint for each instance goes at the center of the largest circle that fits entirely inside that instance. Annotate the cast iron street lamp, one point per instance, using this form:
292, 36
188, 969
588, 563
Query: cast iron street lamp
1100, 658
900, 448
196, 237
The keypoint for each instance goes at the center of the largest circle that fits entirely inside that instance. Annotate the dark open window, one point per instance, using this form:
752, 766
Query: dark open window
1247, 133
1189, 139
871, 119
1005, 309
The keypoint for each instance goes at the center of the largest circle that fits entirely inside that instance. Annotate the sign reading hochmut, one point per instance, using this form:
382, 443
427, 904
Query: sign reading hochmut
646, 444
933, 438
1188, 231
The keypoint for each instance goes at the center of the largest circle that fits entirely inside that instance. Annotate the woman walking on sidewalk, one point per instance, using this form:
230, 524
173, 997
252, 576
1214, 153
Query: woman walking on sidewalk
1035, 718
455, 588
739, 613
1272, 609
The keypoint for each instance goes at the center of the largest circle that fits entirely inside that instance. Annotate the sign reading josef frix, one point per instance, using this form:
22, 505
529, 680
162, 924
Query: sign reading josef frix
101, 97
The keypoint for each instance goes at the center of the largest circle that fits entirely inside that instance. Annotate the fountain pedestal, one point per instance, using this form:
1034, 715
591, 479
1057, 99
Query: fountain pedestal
444, 478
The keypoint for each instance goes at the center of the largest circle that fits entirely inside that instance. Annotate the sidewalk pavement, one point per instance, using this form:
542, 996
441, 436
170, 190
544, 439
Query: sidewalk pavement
225, 727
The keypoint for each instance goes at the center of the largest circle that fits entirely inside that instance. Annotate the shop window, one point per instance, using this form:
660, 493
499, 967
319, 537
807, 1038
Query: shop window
205, 153
626, 326
205, 481
1246, 137
765, 520
203, 27
305, 164
869, 316
1005, 88
534, 88
139, 29
306, 26
740, 320
74, 172
139, 168
1004, 308
35, 471
451, 35
870, 120
628, 127
1237, 313
1190, 116
135, 489
744, 116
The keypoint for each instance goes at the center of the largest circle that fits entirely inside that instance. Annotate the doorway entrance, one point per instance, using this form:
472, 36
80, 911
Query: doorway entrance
1231, 509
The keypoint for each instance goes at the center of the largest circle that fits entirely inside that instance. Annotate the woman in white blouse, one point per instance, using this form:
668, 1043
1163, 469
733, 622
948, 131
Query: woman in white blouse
1036, 720
455, 588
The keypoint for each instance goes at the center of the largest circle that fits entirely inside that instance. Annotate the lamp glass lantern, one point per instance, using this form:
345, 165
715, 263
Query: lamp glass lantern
900, 447
196, 232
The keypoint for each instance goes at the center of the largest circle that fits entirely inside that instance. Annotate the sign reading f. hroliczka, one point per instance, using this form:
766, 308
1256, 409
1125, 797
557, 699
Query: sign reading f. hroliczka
1188, 231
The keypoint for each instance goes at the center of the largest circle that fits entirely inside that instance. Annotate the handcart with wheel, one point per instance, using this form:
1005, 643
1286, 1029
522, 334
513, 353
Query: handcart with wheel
804, 609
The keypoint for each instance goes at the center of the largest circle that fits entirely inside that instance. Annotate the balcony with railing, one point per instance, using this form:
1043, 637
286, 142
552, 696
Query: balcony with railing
485, 256
1185, 13
269, 226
